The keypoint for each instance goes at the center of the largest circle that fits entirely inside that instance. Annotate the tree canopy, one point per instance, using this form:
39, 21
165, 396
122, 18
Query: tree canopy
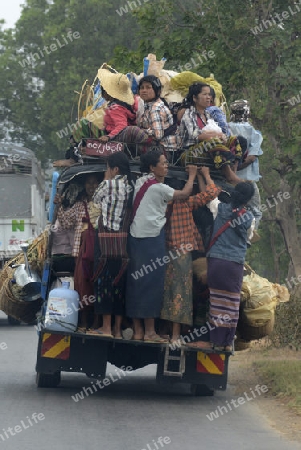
53, 48
256, 48
257, 57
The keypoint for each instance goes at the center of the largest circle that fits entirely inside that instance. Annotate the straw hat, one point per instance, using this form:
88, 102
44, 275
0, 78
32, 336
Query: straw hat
116, 85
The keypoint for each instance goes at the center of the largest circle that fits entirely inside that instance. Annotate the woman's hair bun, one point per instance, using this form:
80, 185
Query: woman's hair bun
242, 193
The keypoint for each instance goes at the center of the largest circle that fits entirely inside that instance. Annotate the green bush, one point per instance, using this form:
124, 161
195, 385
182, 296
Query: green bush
287, 330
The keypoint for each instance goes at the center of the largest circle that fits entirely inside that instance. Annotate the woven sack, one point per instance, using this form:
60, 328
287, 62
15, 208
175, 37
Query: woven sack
257, 330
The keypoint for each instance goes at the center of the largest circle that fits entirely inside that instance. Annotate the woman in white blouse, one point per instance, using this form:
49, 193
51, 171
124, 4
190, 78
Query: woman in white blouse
148, 256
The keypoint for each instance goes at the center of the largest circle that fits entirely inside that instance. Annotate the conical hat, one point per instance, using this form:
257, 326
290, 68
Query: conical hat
116, 85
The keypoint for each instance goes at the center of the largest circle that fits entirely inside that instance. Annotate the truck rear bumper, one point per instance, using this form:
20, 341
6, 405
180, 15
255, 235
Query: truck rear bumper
75, 352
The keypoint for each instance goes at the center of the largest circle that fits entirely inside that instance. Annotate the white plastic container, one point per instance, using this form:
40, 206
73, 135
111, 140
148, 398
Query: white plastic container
62, 309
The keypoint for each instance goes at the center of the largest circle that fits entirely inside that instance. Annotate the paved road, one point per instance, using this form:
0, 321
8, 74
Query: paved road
130, 414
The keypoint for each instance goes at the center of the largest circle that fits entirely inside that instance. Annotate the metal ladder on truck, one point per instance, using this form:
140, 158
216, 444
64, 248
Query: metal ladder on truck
179, 363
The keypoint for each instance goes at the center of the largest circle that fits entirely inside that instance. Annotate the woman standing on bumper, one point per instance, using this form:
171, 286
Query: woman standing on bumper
225, 260
114, 198
146, 271
77, 218
182, 237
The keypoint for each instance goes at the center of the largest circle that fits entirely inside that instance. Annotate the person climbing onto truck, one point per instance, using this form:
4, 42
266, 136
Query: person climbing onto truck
233, 226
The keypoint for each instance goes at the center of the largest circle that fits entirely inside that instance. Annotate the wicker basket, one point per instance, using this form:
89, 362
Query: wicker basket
36, 255
18, 309
11, 294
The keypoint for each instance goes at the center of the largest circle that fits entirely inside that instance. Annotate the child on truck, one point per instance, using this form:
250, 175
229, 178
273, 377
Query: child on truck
157, 120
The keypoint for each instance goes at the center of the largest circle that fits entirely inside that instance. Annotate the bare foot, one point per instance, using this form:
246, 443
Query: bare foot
137, 337
154, 337
117, 333
165, 336
138, 331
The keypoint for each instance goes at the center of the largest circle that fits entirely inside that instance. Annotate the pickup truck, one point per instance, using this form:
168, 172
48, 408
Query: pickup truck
67, 351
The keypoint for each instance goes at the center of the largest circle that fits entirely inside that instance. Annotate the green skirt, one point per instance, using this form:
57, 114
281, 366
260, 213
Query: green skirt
177, 302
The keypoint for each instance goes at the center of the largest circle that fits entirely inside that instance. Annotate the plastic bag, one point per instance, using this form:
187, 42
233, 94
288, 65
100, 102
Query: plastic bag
212, 126
152, 66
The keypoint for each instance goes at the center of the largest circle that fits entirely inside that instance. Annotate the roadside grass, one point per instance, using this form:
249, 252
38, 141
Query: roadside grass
280, 369
283, 378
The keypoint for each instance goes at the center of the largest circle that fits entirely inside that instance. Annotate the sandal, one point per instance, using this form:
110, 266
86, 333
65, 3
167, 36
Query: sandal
165, 336
99, 333
156, 340
220, 348
81, 330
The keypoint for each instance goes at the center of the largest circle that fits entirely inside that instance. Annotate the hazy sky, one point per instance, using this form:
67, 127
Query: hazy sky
10, 11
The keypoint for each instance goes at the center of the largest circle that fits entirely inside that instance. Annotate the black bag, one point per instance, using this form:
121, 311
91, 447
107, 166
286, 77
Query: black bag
203, 219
